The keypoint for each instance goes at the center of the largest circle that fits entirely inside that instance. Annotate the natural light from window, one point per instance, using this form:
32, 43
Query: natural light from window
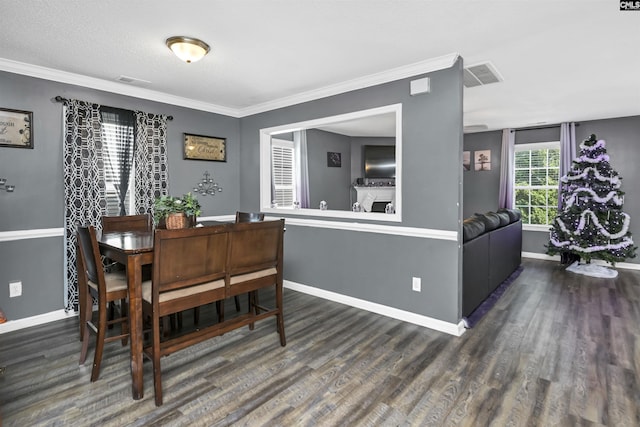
537, 170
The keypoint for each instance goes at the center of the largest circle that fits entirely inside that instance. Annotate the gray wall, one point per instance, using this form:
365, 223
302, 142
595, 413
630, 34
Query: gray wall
622, 136
331, 184
38, 201
379, 267
481, 187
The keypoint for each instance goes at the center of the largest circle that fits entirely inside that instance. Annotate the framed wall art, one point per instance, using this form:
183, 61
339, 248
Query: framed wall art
334, 160
15, 128
200, 147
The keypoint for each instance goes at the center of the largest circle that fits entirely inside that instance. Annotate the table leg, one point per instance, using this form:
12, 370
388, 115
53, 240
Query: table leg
134, 278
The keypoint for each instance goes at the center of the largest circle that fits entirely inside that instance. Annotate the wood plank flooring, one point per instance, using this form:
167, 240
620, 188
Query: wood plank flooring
558, 349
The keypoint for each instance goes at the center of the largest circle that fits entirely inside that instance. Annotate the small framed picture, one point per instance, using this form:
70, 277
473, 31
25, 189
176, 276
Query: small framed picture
16, 129
334, 160
200, 147
483, 160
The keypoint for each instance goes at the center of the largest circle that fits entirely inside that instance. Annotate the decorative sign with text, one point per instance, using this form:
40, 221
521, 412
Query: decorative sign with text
15, 128
199, 147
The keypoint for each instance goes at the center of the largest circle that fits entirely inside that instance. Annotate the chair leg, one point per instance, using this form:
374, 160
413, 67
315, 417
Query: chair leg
237, 300
85, 310
220, 310
112, 312
102, 330
252, 306
280, 315
157, 375
124, 325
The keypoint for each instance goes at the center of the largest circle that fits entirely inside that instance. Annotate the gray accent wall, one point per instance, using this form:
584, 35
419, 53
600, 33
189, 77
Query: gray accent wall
370, 266
38, 201
379, 267
331, 184
622, 136
481, 187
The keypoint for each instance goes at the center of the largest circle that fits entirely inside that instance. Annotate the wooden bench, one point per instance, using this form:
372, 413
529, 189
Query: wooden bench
197, 266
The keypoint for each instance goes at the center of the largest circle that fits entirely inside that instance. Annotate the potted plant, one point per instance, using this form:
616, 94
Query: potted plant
176, 212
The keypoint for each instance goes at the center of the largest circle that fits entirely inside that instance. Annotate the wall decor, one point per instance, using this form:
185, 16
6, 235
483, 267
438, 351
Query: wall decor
334, 160
15, 128
200, 147
482, 160
466, 160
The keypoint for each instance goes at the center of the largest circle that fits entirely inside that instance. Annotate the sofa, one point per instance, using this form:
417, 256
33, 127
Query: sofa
492, 251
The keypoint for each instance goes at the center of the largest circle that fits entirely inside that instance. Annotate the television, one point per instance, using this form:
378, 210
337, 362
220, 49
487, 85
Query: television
379, 161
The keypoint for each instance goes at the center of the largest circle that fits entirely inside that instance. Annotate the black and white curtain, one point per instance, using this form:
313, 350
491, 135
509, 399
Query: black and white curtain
84, 175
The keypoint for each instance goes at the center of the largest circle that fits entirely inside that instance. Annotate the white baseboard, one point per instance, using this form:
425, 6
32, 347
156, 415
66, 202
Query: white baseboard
394, 313
27, 322
625, 265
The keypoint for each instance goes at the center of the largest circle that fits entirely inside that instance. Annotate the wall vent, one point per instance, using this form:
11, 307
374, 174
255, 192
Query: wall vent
480, 75
132, 80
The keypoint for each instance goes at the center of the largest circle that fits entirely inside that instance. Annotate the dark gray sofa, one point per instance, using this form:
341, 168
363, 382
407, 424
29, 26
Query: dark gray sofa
492, 251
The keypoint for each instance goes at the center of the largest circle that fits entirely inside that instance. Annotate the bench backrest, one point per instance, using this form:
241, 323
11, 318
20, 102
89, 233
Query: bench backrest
188, 257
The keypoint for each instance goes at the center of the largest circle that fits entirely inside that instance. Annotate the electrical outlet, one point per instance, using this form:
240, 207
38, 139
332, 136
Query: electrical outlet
416, 284
15, 289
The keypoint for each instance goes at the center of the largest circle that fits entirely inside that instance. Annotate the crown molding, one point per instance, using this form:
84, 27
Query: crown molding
109, 86
422, 67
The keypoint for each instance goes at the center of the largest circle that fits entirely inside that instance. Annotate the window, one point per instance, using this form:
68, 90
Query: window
537, 172
282, 170
117, 137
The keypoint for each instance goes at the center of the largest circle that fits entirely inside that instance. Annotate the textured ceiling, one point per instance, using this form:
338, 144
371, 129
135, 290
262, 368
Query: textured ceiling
560, 60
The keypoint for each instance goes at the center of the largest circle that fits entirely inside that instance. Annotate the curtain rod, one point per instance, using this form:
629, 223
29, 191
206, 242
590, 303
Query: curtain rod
61, 99
540, 127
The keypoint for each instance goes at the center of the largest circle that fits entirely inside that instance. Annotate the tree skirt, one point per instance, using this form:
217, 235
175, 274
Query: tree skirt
492, 299
592, 270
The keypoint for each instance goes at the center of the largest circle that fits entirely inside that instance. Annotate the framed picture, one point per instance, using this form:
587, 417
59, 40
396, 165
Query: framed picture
466, 160
483, 160
200, 147
15, 128
334, 160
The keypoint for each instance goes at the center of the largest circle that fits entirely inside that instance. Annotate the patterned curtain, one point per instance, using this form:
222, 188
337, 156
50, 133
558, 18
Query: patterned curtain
152, 173
84, 184
84, 175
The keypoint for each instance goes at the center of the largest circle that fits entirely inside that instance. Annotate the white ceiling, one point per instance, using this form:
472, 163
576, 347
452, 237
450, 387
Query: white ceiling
561, 60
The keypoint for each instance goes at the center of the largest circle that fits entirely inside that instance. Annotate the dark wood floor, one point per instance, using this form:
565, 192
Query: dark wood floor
557, 349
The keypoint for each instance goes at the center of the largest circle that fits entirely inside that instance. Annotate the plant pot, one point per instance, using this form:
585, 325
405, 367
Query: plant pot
177, 221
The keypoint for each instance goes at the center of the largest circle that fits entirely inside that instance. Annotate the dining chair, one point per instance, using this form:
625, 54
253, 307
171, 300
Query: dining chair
141, 222
105, 288
247, 217
189, 269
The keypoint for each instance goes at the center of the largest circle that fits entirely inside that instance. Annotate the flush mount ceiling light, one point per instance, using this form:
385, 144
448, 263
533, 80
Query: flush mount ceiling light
188, 49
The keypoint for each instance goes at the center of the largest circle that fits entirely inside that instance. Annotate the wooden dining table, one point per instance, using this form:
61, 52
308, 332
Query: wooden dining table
133, 249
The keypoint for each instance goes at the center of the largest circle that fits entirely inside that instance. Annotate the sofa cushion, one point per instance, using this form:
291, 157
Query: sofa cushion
491, 220
504, 218
472, 228
514, 214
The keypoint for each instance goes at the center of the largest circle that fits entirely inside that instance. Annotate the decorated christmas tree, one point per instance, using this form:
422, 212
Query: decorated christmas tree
591, 223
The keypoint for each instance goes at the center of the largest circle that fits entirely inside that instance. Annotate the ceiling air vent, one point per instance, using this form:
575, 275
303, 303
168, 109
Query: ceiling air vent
132, 80
480, 75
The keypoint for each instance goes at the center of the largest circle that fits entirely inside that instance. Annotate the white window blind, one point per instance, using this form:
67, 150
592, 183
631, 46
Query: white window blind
117, 139
282, 171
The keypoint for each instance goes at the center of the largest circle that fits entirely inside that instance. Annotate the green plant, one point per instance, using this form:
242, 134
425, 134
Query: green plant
166, 205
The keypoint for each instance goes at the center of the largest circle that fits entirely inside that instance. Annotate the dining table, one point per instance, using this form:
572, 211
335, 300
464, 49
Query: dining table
132, 249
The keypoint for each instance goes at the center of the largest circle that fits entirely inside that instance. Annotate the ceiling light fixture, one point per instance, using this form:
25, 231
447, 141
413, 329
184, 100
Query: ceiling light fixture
188, 49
